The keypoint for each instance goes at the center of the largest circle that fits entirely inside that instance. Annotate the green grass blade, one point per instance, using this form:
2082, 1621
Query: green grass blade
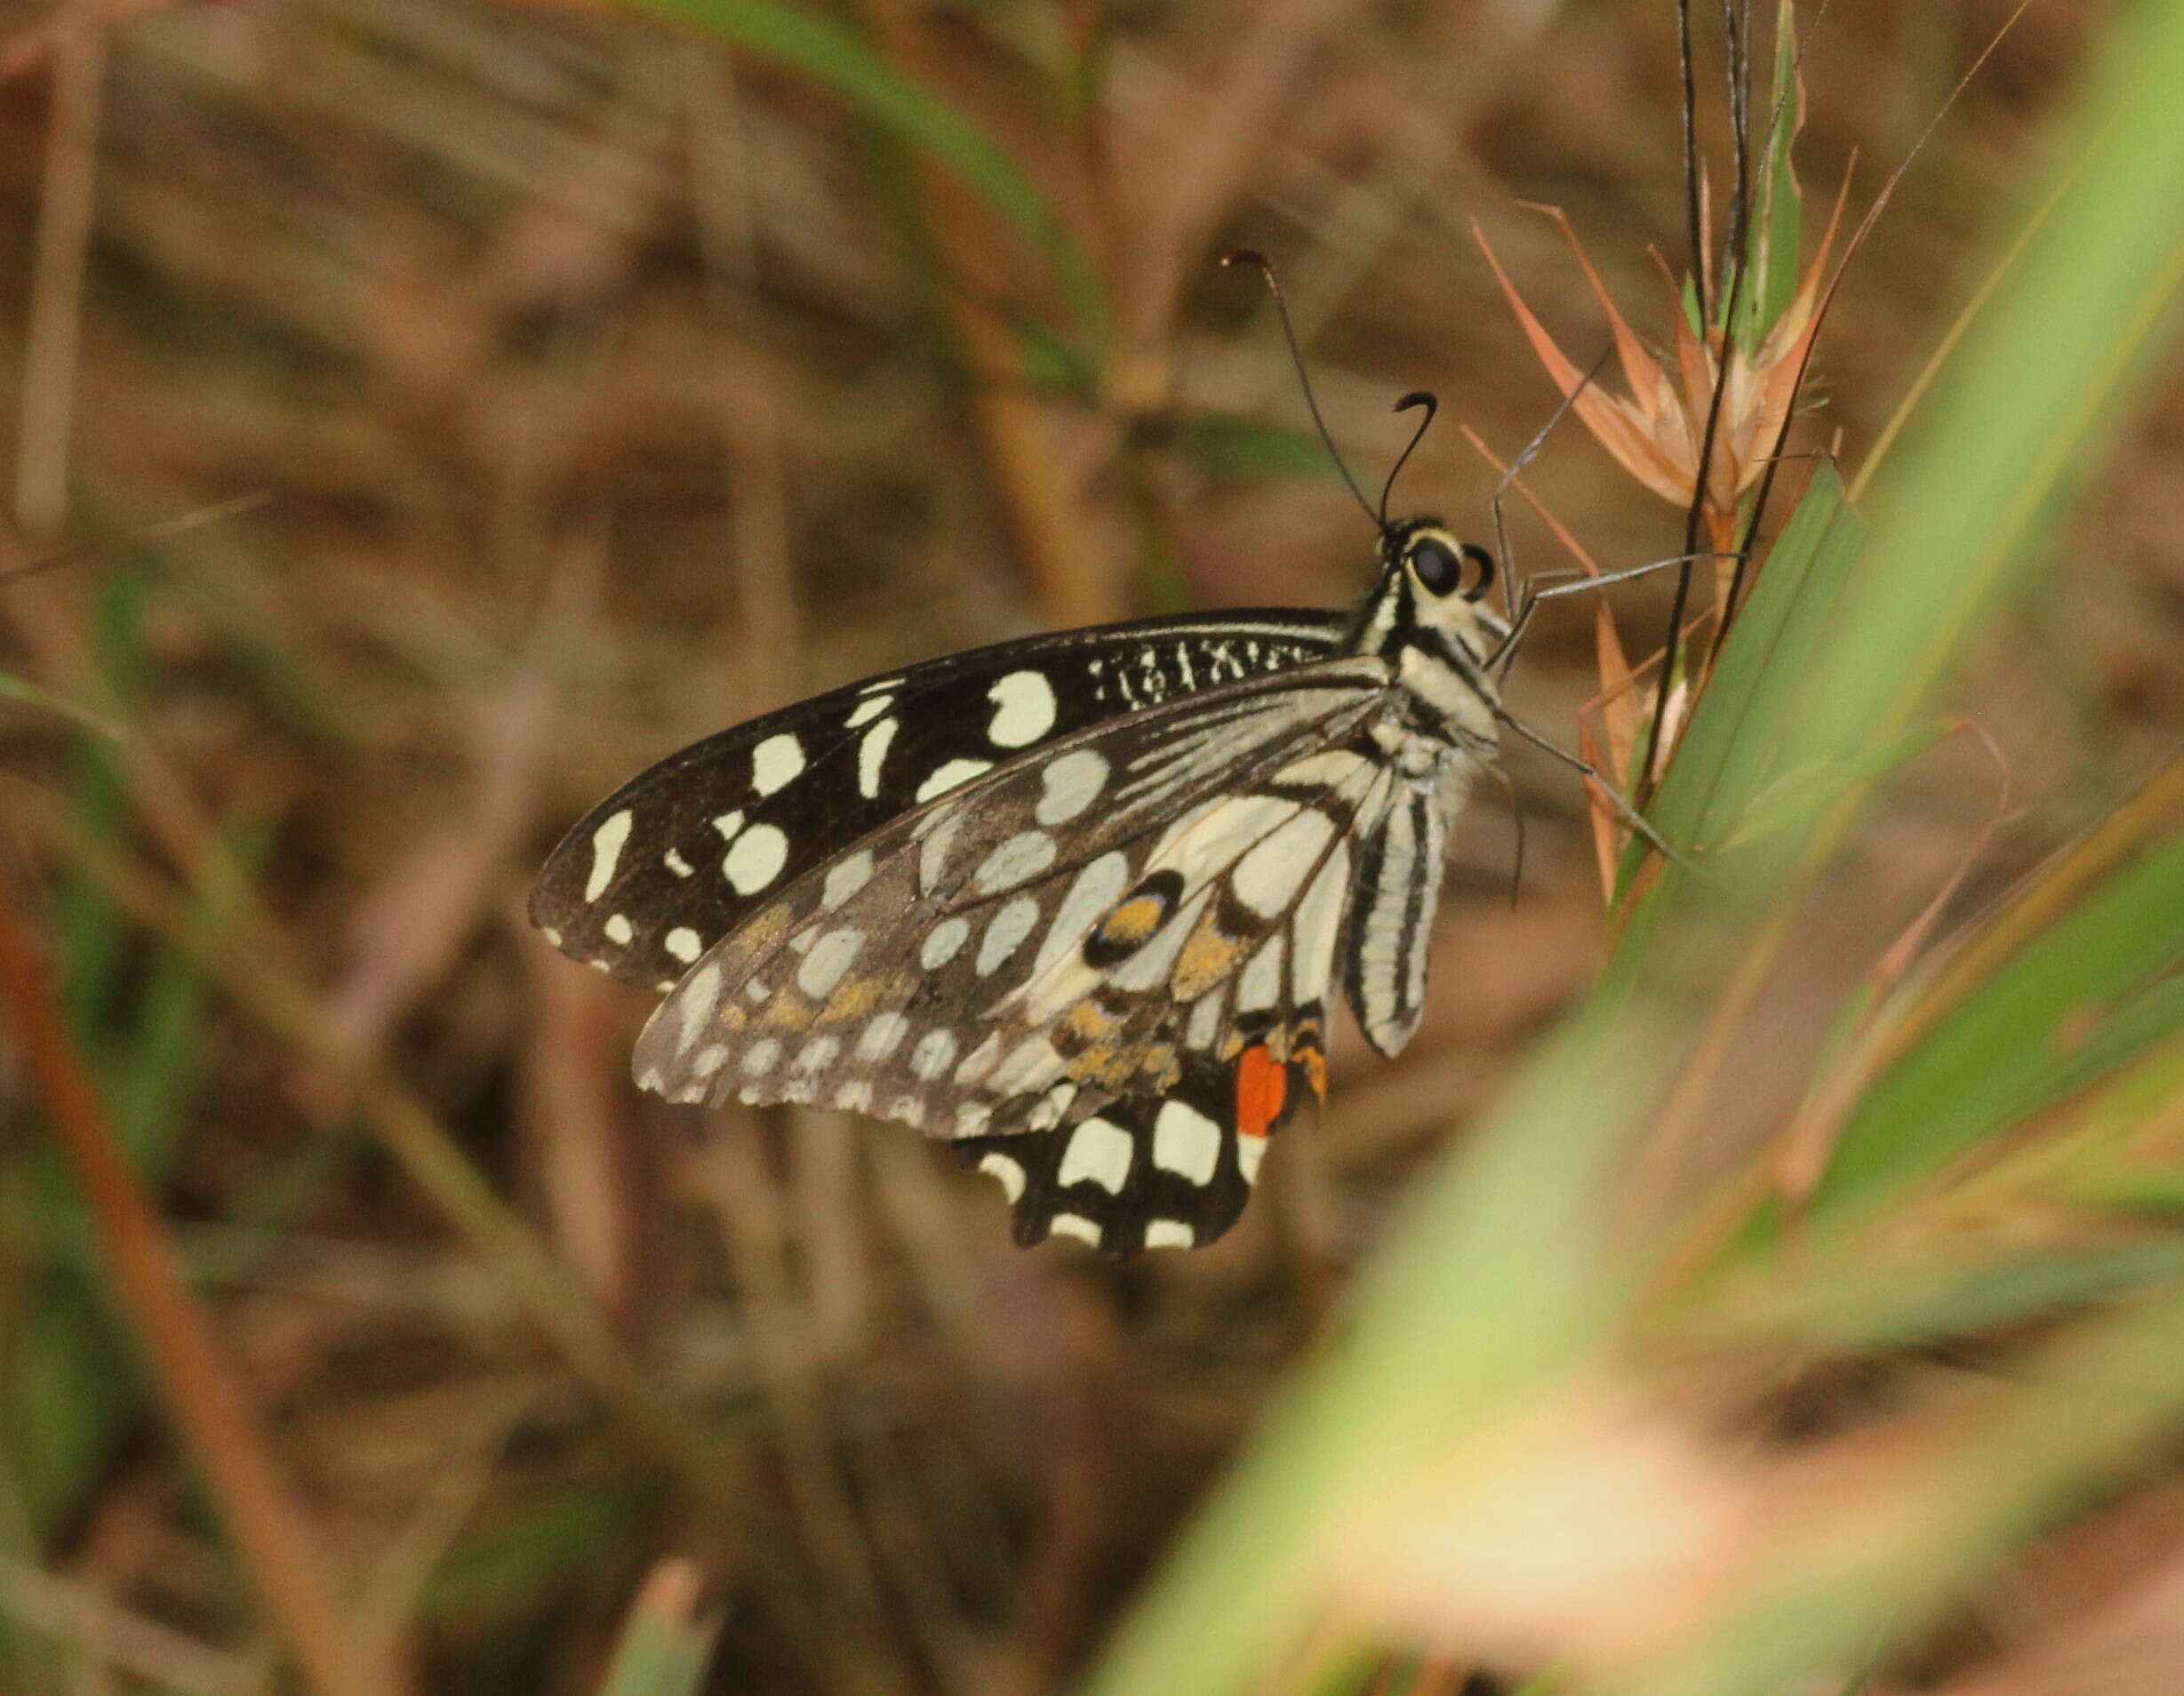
2029, 1035
1494, 1287
1777, 221
23, 691
1841, 1296
1730, 762
665, 1643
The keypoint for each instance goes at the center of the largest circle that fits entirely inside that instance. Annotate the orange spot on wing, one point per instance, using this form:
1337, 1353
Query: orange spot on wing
1262, 1085
1315, 1065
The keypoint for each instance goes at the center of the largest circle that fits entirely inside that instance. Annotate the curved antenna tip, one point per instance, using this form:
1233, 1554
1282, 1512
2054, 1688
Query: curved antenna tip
1411, 402
1249, 256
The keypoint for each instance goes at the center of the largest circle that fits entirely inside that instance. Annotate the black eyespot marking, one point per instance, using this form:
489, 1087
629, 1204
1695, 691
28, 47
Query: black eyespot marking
1130, 921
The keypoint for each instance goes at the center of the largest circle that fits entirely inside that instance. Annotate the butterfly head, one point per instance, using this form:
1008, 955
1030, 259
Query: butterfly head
1433, 581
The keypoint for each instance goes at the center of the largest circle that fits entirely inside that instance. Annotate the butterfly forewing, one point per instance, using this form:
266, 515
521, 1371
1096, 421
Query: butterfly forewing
673, 861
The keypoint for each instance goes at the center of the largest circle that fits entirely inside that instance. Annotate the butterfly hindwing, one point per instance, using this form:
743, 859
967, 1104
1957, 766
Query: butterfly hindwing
1082, 926
1168, 1171
673, 860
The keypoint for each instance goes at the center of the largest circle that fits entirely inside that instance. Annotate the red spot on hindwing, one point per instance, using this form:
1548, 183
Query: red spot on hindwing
1262, 1086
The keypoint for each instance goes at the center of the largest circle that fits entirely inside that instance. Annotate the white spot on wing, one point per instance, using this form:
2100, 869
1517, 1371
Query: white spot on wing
1024, 855
868, 709
550, 934
943, 943
883, 1037
1010, 1174
1099, 1152
872, 755
1170, 1233
709, 1059
759, 1057
1205, 1019
700, 991
1010, 925
775, 761
606, 852
676, 864
1072, 782
1023, 710
818, 1055
618, 929
756, 858
1077, 1226
728, 824
683, 943
932, 851
1186, 1142
949, 776
1250, 1152
847, 878
828, 959
933, 1053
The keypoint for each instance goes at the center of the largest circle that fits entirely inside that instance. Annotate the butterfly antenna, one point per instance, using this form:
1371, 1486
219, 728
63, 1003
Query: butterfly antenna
1416, 398
1264, 267
1521, 591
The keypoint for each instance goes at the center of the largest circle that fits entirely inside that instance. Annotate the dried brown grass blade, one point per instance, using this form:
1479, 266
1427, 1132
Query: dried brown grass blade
1599, 814
501, 1237
1045, 505
199, 1385
1613, 426
65, 212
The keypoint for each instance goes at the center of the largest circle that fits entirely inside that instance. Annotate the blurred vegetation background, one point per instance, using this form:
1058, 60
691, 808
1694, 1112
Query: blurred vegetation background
426, 415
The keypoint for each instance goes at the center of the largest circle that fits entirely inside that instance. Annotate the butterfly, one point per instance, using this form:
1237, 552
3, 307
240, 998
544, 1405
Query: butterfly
1078, 904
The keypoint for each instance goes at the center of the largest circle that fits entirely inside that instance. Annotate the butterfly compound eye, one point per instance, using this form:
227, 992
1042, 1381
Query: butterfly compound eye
1441, 568
1436, 566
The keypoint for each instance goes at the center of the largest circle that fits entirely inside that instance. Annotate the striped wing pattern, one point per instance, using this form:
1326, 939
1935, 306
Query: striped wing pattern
680, 856
1104, 966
